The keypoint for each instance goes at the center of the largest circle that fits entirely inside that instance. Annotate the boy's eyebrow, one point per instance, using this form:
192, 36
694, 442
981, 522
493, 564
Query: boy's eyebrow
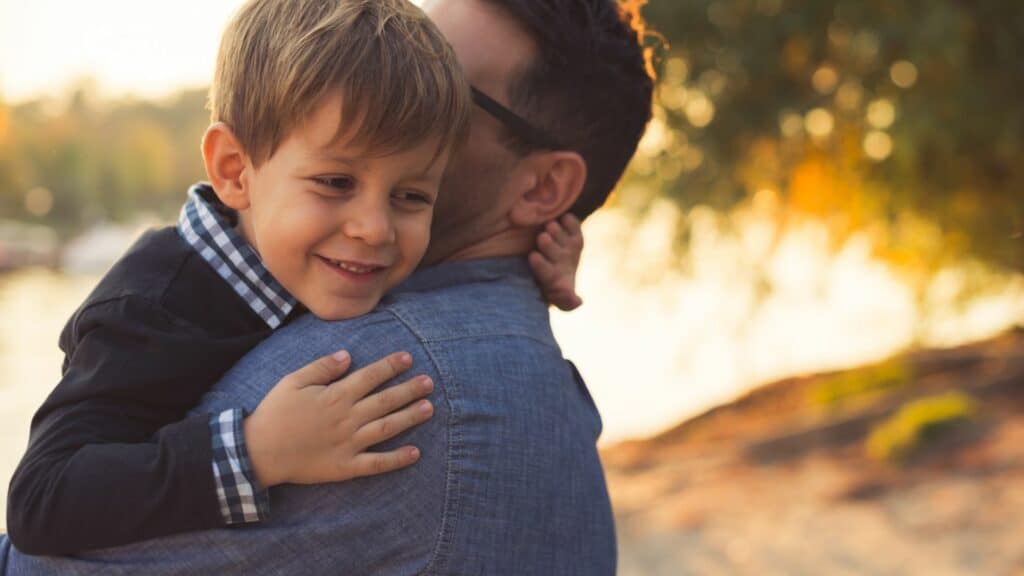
328, 155
332, 156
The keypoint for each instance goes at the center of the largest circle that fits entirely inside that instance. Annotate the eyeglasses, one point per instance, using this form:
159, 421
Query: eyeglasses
519, 127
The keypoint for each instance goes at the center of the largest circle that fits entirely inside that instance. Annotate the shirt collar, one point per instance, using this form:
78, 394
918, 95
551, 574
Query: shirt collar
466, 272
208, 226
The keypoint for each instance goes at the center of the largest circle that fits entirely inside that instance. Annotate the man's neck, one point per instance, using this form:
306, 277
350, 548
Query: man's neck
508, 242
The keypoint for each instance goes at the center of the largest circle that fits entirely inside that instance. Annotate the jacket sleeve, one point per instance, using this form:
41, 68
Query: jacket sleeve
113, 456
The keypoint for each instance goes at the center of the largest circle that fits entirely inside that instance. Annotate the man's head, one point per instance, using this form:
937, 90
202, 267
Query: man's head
575, 73
332, 122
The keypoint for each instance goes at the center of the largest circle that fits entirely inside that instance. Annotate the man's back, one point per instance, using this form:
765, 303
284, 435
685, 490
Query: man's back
509, 481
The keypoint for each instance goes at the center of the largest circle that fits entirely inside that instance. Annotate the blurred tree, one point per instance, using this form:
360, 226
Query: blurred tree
99, 160
897, 116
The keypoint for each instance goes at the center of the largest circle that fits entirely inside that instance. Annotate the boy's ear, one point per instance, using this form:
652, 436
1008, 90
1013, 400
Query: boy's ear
225, 161
552, 181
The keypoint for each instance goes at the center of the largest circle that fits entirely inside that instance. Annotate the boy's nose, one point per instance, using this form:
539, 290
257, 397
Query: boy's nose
370, 221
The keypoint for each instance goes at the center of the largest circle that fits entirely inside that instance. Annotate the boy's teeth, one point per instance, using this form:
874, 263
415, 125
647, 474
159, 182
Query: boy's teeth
352, 268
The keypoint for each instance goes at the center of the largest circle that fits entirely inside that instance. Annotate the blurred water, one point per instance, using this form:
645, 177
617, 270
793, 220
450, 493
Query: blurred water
663, 336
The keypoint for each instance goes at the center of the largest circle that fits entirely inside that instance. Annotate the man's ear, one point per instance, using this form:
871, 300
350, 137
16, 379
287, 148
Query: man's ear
225, 159
557, 180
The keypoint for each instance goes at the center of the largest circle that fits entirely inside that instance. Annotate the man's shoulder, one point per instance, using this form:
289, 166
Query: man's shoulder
490, 307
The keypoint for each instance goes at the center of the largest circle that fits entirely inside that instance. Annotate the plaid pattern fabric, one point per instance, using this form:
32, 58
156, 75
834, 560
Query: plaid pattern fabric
232, 471
207, 226
209, 232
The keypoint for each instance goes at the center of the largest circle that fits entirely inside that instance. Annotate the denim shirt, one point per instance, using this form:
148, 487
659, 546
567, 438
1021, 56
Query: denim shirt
509, 481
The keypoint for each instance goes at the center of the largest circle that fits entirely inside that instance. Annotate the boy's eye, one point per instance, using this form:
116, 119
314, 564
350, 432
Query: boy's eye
412, 196
337, 183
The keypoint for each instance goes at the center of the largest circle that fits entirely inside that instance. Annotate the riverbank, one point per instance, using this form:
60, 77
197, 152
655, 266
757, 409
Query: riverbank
781, 481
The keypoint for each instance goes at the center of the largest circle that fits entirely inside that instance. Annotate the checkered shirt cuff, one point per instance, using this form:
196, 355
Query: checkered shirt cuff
241, 498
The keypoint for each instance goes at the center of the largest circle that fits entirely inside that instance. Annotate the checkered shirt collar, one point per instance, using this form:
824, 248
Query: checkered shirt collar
208, 226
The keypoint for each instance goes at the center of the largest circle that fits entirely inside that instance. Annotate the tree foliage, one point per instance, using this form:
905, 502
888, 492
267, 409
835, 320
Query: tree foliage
898, 116
98, 160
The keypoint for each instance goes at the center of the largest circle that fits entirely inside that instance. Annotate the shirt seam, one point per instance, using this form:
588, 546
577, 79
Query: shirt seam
150, 304
191, 253
449, 517
445, 339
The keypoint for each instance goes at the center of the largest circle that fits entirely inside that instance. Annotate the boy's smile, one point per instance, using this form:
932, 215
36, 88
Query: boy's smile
337, 225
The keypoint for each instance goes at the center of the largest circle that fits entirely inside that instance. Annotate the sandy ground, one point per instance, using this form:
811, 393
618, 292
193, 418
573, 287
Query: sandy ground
702, 501
790, 520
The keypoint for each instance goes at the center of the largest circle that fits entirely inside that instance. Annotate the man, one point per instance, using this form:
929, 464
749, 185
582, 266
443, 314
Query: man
509, 481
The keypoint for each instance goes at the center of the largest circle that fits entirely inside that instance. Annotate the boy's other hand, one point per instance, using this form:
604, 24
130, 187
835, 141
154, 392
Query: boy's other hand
312, 427
556, 259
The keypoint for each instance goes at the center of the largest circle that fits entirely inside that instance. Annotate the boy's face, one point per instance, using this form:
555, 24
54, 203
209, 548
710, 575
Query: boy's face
336, 226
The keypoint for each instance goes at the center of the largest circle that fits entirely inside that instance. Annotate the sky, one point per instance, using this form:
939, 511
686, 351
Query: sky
143, 48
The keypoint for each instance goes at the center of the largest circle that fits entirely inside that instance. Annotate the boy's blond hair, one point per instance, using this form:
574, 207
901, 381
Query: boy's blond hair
398, 77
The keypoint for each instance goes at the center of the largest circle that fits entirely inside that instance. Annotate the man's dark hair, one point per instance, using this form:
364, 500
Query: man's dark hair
588, 85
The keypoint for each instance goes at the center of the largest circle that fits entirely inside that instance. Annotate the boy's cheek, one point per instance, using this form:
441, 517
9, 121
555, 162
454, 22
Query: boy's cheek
418, 242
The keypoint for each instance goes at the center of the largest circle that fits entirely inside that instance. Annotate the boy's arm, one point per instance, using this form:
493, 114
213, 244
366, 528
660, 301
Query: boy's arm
110, 458
110, 461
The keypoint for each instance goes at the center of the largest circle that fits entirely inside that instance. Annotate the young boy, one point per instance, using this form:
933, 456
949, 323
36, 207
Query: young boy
332, 125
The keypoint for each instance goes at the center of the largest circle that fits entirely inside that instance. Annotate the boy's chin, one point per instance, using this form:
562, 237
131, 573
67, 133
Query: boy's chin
345, 310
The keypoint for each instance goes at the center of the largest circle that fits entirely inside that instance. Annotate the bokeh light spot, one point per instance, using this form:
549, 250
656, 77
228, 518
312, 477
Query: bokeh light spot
881, 113
819, 123
877, 145
39, 201
903, 74
676, 70
791, 124
850, 95
825, 79
700, 111
691, 159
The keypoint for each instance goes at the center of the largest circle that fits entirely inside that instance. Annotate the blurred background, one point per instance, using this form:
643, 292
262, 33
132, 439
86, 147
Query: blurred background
803, 306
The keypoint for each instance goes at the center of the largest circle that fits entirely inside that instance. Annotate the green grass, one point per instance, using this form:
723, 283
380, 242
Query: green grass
855, 384
915, 423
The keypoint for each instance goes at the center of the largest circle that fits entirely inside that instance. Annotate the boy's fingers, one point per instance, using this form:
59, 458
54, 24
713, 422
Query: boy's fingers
573, 231
567, 302
370, 463
548, 247
390, 399
542, 268
393, 424
571, 224
320, 372
573, 240
362, 381
556, 231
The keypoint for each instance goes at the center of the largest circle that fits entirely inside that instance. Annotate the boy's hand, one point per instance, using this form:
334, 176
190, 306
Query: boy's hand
556, 259
311, 428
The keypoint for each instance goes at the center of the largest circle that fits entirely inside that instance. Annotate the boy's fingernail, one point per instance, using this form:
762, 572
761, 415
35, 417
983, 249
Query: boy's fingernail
341, 356
424, 407
426, 384
414, 453
405, 359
